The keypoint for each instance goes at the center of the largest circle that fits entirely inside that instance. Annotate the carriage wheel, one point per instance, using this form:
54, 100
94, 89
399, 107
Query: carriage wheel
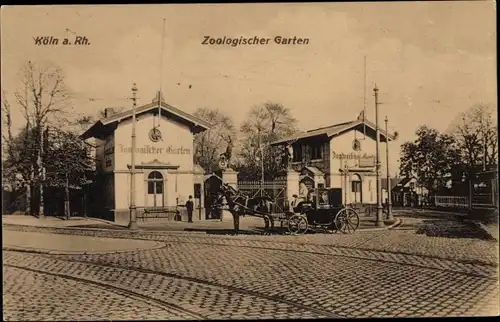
347, 221
297, 225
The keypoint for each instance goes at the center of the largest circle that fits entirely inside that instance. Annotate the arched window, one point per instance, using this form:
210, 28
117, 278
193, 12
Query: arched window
356, 183
155, 183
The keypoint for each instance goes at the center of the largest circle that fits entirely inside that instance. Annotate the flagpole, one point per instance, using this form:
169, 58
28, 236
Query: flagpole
364, 101
161, 72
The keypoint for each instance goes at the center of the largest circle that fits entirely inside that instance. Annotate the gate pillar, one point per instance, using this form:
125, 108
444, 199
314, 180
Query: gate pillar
292, 184
229, 177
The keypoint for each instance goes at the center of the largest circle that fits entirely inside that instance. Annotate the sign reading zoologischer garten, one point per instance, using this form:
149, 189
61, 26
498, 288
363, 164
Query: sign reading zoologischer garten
352, 156
149, 149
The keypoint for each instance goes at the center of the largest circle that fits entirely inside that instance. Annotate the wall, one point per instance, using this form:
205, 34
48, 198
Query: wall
175, 149
99, 153
175, 137
108, 156
322, 164
342, 154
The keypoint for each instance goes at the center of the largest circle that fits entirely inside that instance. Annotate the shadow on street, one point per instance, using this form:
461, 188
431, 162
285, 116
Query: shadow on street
450, 229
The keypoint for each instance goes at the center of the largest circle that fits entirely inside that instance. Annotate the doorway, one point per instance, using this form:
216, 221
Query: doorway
155, 190
356, 194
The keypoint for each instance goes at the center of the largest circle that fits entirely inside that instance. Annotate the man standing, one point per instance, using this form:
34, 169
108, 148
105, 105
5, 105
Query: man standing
189, 208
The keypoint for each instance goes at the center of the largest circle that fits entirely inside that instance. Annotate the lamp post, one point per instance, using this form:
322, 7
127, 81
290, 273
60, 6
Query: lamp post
133, 209
261, 165
379, 221
41, 212
389, 200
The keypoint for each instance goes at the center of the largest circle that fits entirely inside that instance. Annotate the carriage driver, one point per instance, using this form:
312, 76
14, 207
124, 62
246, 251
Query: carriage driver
293, 204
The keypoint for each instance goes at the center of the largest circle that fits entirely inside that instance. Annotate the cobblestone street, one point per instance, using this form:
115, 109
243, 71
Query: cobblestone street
423, 268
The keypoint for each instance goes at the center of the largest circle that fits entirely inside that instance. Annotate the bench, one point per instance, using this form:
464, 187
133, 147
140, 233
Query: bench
160, 212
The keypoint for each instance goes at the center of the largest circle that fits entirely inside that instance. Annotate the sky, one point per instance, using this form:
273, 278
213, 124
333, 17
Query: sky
430, 60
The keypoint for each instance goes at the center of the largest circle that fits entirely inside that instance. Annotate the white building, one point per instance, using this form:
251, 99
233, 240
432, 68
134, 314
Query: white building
165, 171
339, 156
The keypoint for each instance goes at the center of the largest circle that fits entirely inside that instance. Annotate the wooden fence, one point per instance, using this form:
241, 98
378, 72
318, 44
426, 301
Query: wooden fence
451, 201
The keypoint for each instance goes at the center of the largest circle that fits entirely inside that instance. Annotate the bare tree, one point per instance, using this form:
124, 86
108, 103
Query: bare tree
42, 98
209, 145
265, 124
7, 124
476, 133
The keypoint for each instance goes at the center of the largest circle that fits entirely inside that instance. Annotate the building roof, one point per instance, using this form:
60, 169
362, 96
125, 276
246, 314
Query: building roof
197, 125
394, 182
314, 170
338, 129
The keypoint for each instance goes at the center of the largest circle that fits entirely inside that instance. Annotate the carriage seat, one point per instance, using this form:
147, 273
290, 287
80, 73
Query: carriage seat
301, 206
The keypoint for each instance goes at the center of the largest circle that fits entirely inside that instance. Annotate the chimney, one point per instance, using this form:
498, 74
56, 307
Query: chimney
108, 112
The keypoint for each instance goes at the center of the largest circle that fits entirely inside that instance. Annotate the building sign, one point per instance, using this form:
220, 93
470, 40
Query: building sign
352, 156
149, 149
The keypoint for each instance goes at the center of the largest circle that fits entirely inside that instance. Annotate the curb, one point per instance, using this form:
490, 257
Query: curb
125, 229
396, 224
482, 227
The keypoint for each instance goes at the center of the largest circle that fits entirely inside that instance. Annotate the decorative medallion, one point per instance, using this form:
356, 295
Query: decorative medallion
356, 145
155, 134
222, 164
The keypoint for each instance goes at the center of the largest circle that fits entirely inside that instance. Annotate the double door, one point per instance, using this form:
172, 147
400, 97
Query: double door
156, 190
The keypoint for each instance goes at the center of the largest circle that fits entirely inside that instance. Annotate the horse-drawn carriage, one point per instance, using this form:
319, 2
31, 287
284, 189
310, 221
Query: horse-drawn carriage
323, 209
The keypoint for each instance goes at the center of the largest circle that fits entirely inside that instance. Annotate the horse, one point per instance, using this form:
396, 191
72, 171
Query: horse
241, 205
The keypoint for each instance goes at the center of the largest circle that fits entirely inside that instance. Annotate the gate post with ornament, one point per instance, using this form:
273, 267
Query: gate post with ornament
292, 185
229, 177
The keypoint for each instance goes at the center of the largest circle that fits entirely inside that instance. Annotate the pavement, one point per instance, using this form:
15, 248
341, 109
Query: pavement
425, 267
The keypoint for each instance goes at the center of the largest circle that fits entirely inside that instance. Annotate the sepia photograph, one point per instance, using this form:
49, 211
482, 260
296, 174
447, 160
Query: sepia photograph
249, 161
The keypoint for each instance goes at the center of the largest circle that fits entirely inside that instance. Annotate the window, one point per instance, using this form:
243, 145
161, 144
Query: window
316, 151
356, 184
155, 183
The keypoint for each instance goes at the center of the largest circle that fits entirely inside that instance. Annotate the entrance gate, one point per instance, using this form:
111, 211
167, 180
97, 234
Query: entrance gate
212, 187
274, 189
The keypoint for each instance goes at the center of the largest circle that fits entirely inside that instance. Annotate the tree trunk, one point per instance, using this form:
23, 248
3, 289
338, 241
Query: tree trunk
66, 199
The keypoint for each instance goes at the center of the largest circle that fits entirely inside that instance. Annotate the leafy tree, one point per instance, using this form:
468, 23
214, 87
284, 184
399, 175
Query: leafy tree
264, 124
210, 144
432, 158
68, 162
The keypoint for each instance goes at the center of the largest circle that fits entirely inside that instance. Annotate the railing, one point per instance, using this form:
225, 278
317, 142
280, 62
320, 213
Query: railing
451, 201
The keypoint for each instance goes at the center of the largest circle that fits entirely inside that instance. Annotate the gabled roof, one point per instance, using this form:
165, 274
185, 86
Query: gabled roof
197, 125
314, 170
404, 181
338, 129
394, 182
